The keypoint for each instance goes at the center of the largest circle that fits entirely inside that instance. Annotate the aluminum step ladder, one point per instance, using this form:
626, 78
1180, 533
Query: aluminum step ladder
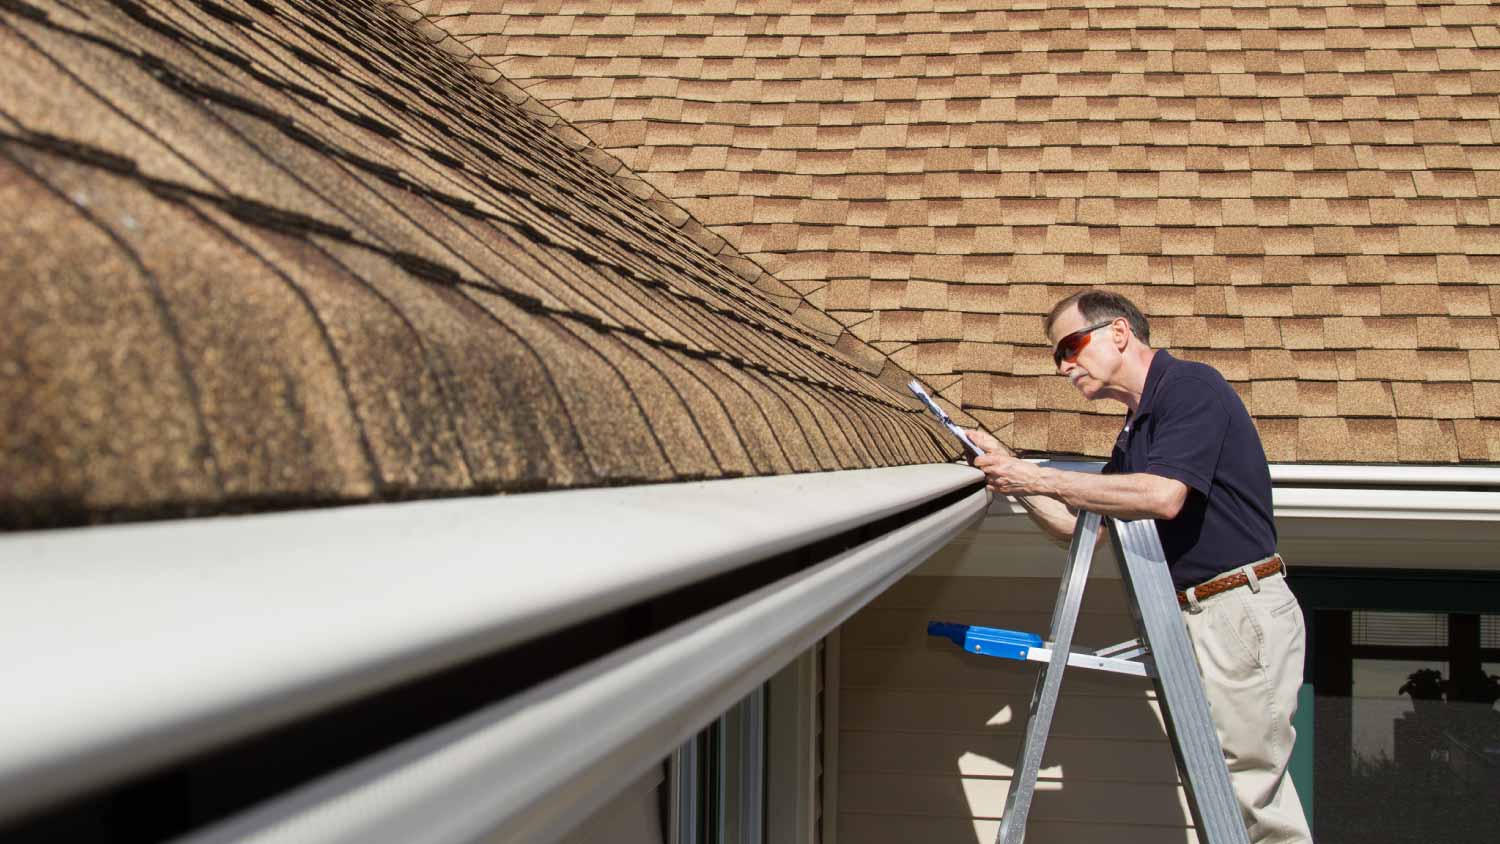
1162, 652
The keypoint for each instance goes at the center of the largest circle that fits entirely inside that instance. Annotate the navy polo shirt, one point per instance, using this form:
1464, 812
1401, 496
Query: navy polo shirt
1192, 427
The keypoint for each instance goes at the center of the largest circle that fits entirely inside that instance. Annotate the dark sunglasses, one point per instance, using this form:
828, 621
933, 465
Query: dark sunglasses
1070, 347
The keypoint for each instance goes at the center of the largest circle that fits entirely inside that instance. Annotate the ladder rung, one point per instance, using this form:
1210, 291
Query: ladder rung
1124, 658
1089, 659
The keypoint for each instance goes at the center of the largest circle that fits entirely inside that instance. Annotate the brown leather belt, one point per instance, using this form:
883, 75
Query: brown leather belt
1234, 580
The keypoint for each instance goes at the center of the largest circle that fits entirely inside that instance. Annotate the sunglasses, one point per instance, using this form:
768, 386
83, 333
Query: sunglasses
1070, 347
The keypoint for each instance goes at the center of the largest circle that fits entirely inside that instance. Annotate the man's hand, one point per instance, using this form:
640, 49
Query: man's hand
1010, 476
1002, 471
1004, 474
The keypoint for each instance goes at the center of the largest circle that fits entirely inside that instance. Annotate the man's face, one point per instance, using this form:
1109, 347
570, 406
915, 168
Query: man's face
1096, 363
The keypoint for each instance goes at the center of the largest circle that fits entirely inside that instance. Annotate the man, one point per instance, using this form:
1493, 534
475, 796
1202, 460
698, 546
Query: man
1190, 458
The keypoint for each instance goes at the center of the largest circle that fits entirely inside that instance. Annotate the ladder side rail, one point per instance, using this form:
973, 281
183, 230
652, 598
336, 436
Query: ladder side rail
1044, 697
1179, 689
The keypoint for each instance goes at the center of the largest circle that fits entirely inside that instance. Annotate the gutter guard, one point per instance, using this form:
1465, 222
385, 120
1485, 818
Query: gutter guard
141, 644
526, 770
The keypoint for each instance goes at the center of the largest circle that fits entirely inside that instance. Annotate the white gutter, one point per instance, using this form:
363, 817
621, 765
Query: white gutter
1422, 504
528, 769
1347, 475
128, 646
1314, 491
1340, 475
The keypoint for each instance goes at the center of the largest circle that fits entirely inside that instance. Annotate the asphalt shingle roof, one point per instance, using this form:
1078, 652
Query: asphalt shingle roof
1305, 195
279, 254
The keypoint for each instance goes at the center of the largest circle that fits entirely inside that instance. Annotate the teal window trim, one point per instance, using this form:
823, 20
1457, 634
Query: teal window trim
1301, 766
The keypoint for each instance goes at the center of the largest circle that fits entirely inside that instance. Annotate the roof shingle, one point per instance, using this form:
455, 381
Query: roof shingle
1317, 185
293, 255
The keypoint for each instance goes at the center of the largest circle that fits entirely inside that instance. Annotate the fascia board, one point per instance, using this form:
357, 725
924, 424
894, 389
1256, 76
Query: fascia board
136, 644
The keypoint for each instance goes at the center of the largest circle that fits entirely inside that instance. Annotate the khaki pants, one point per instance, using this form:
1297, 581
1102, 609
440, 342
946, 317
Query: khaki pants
1250, 643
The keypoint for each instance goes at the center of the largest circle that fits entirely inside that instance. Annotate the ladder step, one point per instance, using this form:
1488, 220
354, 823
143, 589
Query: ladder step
988, 641
1124, 658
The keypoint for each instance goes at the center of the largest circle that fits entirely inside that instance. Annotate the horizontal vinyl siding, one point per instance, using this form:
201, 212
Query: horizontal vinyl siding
928, 734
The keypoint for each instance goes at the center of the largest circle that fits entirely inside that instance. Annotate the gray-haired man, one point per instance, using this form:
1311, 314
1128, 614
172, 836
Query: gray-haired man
1189, 457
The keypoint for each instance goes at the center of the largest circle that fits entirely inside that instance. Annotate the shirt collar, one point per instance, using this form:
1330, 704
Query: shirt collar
1159, 363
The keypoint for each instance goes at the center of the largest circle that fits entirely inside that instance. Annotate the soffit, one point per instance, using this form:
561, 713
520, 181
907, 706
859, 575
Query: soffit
291, 254
1303, 195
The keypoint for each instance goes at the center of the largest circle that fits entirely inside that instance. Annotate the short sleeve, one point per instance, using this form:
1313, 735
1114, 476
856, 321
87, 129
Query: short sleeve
1188, 433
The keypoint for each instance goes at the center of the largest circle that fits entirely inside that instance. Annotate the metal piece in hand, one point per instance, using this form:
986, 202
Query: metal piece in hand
916, 388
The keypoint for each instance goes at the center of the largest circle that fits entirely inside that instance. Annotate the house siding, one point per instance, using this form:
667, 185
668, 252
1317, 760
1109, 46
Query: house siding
928, 733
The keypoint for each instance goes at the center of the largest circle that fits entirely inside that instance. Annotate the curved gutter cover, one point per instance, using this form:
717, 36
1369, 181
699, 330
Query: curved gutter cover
141, 643
524, 771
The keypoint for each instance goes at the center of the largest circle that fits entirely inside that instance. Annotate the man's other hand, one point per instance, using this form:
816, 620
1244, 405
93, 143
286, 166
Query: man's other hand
987, 443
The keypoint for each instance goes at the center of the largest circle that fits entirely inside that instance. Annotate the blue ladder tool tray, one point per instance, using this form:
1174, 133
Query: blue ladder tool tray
986, 641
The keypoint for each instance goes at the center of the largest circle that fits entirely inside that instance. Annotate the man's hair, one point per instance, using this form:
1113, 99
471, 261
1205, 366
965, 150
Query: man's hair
1098, 306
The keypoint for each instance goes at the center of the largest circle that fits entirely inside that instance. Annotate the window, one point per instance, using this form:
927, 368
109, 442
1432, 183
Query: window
1400, 629
756, 774
717, 782
1405, 729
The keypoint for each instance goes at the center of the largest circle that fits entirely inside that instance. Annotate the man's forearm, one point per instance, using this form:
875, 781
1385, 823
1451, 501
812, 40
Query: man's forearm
1133, 496
1052, 497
